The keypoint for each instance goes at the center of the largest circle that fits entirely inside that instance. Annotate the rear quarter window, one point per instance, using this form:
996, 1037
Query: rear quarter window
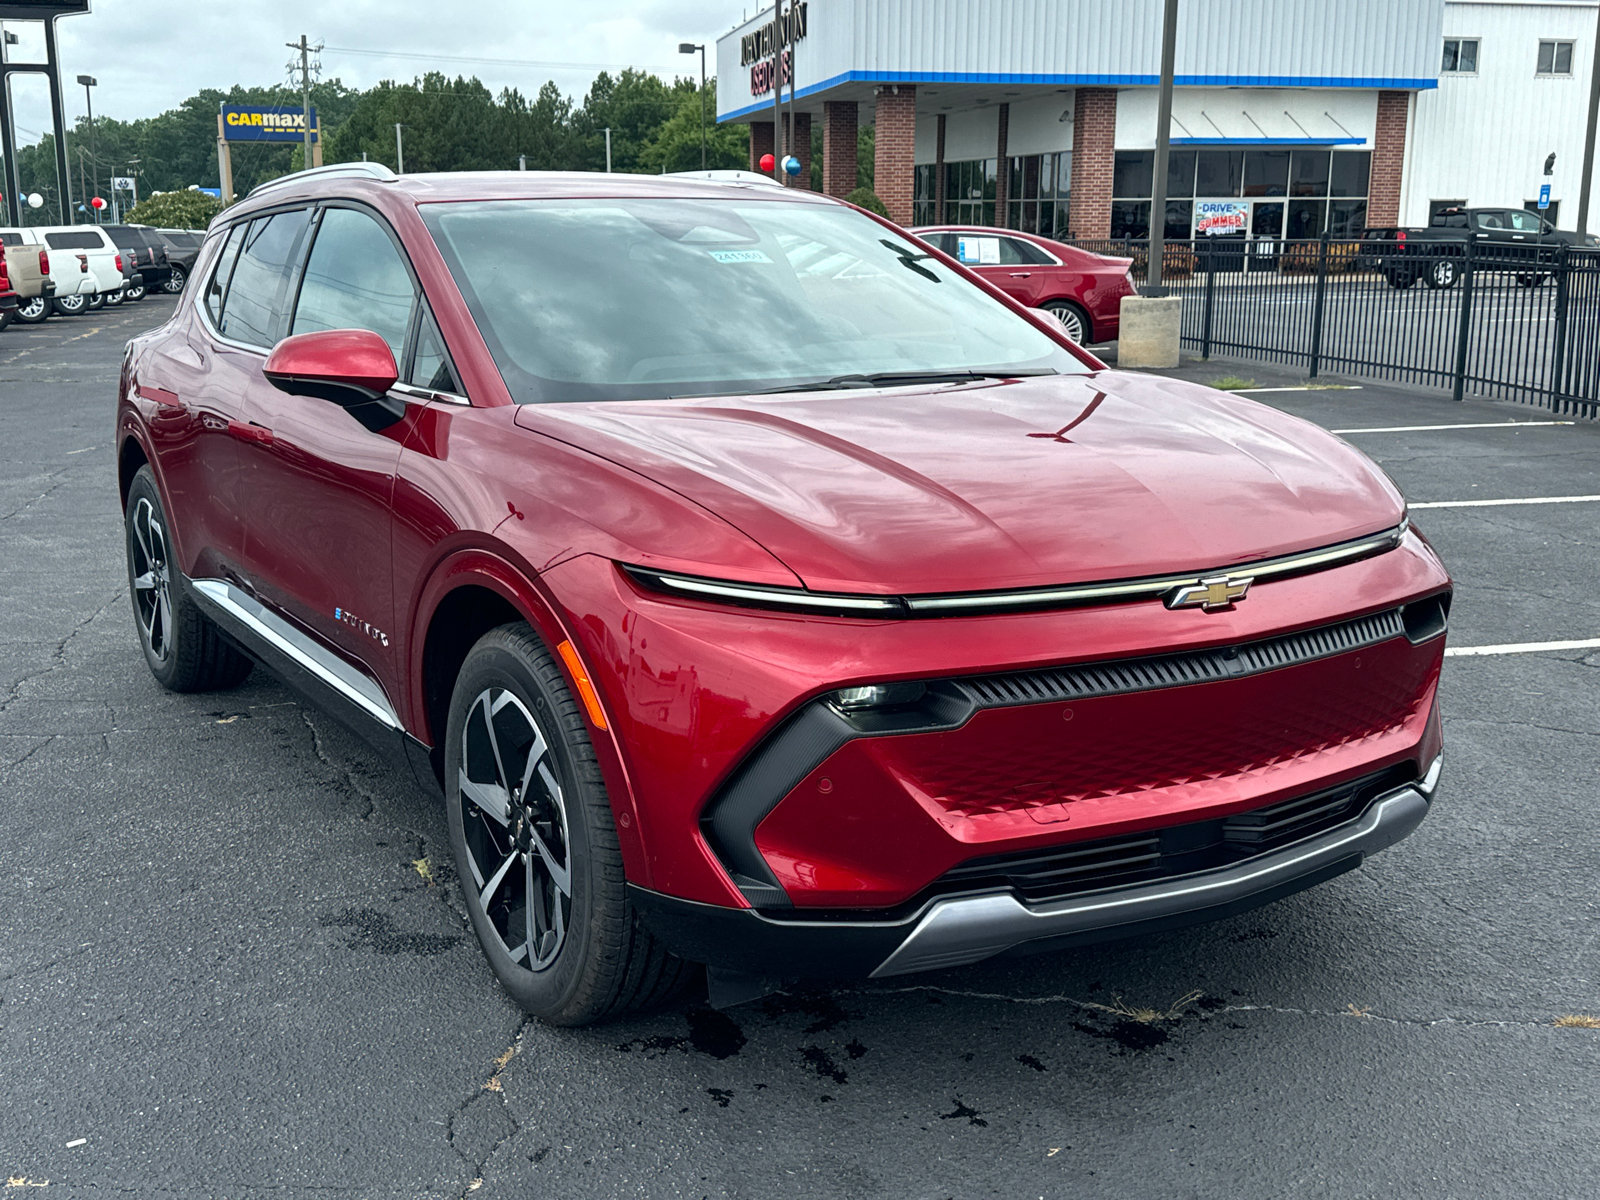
75, 240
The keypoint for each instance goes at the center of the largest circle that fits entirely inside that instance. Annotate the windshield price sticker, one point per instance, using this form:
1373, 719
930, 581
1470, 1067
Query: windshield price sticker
739, 256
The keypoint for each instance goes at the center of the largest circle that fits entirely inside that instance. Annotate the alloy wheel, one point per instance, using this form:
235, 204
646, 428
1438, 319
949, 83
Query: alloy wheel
1071, 321
175, 281
71, 305
35, 309
514, 819
135, 291
114, 298
152, 580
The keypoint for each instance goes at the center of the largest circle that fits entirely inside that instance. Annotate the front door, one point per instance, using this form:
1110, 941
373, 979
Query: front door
319, 484
1011, 264
1266, 232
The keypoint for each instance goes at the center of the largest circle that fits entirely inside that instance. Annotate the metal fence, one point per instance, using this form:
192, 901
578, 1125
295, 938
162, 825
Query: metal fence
1513, 322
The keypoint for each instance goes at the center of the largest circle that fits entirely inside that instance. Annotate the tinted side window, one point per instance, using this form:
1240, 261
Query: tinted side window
355, 279
218, 286
253, 311
431, 367
1022, 253
10, 239
75, 240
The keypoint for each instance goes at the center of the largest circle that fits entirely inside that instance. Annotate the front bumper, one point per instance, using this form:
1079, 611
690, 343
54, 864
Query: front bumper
954, 931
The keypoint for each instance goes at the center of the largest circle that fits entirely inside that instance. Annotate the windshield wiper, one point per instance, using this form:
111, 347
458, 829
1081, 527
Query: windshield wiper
896, 378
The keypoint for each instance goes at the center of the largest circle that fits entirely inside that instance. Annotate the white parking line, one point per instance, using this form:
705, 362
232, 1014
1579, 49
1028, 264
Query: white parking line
1498, 503
1421, 428
1522, 648
1325, 387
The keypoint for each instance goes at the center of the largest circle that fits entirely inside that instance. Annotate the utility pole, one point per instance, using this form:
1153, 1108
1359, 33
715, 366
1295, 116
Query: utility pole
690, 48
399, 150
1588, 139
81, 153
1158, 200
777, 91
608, 149
88, 82
305, 95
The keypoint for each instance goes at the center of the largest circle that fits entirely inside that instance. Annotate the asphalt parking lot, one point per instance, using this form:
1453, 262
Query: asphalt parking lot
232, 962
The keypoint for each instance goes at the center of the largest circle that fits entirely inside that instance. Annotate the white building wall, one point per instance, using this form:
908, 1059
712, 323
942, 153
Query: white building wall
1248, 114
1483, 138
1036, 127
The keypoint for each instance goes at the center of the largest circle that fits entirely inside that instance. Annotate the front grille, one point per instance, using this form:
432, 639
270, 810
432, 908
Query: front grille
1176, 670
1050, 874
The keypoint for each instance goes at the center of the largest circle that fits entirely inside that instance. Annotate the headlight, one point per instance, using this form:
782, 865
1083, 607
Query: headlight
878, 695
758, 595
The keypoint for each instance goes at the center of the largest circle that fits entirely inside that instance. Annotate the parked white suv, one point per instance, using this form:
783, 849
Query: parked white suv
84, 263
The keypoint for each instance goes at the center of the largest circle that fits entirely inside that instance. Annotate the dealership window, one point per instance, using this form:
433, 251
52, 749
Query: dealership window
1555, 58
1325, 189
1549, 214
1460, 56
1039, 188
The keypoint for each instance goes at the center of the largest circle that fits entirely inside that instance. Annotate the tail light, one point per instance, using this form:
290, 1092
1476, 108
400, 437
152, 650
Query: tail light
1399, 235
119, 264
5, 271
44, 263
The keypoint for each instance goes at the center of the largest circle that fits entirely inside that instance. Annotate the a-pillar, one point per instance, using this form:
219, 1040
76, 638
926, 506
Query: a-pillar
1388, 158
1002, 174
1094, 139
839, 128
799, 146
760, 142
894, 169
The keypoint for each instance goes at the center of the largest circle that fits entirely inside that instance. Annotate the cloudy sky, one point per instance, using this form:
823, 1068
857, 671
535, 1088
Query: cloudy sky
149, 54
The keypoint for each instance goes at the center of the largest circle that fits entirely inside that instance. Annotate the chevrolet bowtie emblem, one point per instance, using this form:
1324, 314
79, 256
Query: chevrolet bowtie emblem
1212, 594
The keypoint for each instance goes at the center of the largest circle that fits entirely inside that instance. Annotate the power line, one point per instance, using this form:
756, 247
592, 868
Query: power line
497, 62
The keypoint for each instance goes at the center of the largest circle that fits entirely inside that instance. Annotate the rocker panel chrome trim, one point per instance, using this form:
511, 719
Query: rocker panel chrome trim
351, 683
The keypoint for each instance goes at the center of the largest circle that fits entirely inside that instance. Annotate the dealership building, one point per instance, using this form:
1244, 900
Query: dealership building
1288, 119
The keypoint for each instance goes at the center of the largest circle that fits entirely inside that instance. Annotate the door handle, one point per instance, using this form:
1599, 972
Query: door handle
1021, 274
250, 432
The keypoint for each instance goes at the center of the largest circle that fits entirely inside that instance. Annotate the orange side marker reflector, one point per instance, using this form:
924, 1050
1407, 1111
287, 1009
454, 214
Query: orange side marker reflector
586, 692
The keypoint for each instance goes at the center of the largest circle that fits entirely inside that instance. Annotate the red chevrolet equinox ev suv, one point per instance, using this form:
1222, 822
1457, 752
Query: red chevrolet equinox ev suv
759, 586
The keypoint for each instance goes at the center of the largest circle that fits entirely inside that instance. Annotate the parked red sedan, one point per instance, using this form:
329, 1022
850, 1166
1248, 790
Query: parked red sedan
756, 590
1082, 289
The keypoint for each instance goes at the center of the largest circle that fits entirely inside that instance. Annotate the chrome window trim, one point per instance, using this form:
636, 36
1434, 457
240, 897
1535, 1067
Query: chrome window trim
411, 392
978, 603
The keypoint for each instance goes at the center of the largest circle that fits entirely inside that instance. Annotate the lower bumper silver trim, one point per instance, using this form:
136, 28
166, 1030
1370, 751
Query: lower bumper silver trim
967, 929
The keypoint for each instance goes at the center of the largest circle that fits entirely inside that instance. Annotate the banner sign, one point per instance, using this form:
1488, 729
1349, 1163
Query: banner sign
122, 183
1216, 218
246, 123
40, 10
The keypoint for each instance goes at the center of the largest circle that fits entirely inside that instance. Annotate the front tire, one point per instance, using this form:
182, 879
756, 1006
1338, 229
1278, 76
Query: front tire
175, 281
1074, 321
535, 845
185, 651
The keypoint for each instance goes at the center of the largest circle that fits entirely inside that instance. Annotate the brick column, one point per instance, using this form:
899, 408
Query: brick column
801, 148
938, 174
1094, 139
1388, 158
839, 122
1002, 170
760, 142
894, 168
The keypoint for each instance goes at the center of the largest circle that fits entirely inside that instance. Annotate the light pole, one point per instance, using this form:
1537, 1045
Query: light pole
88, 82
690, 48
399, 149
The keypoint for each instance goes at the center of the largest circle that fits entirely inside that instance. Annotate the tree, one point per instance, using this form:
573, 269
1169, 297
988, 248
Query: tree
634, 106
176, 210
675, 145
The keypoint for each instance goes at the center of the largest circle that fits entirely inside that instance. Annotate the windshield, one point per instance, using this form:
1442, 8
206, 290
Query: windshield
642, 299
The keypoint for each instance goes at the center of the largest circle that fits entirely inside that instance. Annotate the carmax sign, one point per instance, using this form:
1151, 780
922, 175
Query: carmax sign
244, 123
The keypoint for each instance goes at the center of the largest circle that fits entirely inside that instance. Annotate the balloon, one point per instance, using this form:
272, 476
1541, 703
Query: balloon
97, 203
791, 165
35, 200
766, 162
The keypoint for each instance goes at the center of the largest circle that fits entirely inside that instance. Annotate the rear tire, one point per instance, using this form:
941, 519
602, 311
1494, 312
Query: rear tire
70, 306
96, 301
134, 291
32, 312
175, 282
1400, 279
535, 845
1074, 321
6, 318
1442, 274
185, 651
114, 298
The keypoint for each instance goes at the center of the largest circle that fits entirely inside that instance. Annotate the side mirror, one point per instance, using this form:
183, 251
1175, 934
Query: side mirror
353, 368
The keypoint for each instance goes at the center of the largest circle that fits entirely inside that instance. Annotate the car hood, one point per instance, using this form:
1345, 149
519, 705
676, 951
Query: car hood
1021, 483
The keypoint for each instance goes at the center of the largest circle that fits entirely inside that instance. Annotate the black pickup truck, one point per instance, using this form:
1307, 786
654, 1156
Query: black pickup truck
1503, 239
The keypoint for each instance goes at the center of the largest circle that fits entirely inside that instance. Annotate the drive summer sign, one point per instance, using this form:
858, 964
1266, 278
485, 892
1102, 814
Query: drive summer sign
1215, 218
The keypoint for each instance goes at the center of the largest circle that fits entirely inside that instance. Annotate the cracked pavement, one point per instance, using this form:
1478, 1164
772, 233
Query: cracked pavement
232, 958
